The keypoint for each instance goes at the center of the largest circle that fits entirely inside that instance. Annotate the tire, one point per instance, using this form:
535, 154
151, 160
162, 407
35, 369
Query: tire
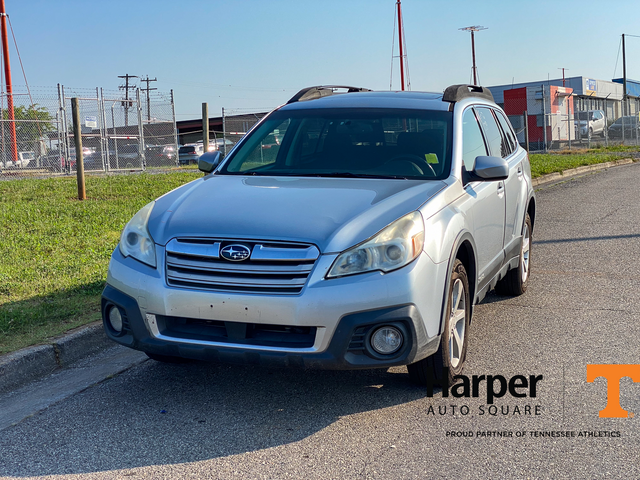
453, 344
516, 280
166, 358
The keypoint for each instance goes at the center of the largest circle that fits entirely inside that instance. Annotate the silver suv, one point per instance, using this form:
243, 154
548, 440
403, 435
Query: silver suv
361, 239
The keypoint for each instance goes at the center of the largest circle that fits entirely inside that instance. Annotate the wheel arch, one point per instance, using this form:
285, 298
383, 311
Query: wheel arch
463, 249
531, 210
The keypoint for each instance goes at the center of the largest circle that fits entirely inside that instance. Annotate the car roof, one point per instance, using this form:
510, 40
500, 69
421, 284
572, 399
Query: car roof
381, 99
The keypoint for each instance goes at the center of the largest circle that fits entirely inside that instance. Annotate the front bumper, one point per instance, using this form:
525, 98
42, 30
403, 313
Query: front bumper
337, 316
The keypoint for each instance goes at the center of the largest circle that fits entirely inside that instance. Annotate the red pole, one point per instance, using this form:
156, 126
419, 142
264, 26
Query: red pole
7, 72
401, 44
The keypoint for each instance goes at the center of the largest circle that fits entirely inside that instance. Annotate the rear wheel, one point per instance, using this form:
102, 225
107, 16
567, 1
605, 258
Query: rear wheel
453, 344
515, 281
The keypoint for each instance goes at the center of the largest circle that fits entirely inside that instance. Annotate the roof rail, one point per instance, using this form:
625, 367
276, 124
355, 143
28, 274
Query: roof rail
312, 93
455, 93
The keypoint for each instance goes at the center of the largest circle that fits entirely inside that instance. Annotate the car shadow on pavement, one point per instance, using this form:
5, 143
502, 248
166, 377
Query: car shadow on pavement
162, 414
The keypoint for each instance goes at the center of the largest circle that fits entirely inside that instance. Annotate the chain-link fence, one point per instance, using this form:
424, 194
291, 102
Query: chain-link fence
120, 131
550, 117
236, 123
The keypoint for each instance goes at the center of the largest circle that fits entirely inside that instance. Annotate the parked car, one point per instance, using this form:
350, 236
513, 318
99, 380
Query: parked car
55, 160
363, 241
130, 156
161, 155
190, 153
23, 161
590, 123
224, 145
631, 127
218, 144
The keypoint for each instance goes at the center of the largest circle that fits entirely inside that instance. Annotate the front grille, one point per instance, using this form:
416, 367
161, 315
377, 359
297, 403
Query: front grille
237, 332
272, 268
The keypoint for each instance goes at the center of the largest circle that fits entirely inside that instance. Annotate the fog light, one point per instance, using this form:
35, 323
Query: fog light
386, 340
115, 319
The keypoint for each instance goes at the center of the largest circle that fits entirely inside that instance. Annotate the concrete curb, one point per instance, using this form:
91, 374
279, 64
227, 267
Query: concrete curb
33, 363
567, 174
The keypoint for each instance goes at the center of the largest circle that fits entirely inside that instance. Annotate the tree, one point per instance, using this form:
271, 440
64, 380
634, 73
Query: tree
32, 124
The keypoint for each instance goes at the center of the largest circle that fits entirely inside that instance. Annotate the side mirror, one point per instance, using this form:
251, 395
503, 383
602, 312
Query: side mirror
208, 161
488, 169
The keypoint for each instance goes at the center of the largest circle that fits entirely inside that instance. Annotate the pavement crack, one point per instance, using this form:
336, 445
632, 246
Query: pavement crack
56, 352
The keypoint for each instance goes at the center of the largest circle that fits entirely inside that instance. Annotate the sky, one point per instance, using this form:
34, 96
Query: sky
251, 54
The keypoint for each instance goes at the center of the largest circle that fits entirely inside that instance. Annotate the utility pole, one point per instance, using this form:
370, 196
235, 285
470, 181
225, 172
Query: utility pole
473, 29
563, 69
126, 103
147, 81
13, 144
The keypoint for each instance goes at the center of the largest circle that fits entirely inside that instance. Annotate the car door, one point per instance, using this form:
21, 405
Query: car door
515, 187
484, 202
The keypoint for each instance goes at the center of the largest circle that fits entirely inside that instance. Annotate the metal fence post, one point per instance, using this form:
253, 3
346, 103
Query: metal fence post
544, 119
224, 134
67, 147
103, 125
175, 127
143, 162
624, 110
526, 129
115, 139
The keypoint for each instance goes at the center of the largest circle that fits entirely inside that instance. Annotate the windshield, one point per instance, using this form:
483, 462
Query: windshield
381, 143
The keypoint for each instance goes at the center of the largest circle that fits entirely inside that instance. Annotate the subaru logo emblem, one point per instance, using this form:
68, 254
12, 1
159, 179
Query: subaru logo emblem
235, 253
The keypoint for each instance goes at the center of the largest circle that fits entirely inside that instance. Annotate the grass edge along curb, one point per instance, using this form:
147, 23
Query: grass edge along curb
557, 176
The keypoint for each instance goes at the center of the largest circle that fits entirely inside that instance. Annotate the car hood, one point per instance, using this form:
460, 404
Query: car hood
332, 213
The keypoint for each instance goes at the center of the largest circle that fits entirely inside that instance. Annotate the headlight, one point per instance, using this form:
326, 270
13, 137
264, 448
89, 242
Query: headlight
135, 240
392, 248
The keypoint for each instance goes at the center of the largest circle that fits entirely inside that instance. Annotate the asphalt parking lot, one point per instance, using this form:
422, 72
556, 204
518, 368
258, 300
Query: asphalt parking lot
221, 421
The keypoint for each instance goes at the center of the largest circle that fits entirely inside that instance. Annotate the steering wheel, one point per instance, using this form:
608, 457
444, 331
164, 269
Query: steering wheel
413, 158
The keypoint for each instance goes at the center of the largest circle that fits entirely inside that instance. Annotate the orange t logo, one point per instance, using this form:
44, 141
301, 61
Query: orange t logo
613, 374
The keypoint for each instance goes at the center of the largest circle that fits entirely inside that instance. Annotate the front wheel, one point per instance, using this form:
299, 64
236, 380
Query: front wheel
515, 281
453, 344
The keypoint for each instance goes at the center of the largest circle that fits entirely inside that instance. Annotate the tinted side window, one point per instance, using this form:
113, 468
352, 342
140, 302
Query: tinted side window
508, 130
496, 142
472, 141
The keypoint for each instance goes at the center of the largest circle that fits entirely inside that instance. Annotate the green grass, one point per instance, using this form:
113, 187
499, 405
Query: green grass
54, 249
542, 164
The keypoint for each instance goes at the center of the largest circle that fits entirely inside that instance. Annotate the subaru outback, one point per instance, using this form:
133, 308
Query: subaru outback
361, 239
